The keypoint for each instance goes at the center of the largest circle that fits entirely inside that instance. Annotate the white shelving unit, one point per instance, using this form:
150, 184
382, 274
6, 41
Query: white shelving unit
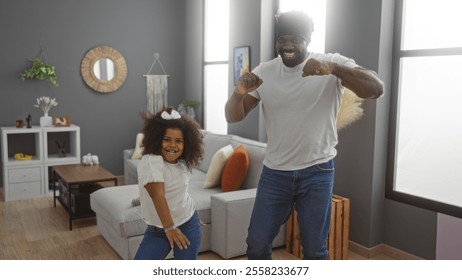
24, 179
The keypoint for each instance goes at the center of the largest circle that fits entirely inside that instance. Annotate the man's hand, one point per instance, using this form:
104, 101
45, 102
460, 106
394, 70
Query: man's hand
248, 82
315, 67
363, 82
240, 102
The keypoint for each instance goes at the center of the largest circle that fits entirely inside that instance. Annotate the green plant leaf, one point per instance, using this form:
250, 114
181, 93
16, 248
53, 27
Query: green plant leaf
40, 71
191, 103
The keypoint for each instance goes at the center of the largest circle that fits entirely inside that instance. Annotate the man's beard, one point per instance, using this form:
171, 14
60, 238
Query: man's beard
292, 58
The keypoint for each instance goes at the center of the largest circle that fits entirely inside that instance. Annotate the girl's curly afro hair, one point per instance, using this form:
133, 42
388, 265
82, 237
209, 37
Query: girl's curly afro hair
154, 131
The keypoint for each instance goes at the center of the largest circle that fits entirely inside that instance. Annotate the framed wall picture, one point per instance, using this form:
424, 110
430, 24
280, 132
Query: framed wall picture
62, 121
241, 62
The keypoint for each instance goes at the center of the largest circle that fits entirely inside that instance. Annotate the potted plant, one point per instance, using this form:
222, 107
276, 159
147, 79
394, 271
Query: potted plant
187, 107
40, 71
190, 103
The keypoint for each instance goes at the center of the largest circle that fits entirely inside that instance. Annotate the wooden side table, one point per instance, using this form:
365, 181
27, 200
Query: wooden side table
77, 178
338, 239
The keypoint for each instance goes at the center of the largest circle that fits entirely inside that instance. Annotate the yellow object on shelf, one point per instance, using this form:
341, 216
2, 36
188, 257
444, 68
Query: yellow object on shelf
21, 156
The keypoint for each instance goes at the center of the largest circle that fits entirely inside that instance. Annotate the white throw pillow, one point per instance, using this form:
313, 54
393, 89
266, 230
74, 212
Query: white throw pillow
138, 153
213, 177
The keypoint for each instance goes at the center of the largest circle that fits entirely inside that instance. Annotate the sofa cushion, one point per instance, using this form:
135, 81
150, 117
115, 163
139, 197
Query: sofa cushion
114, 205
213, 142
256, 152
200, 195
131, 171
213, 177
235, 170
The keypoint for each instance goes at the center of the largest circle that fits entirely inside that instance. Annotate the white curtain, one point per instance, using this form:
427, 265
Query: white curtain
156, 92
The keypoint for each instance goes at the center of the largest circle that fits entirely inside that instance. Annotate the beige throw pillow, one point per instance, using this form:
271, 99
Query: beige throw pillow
138, 153
213, 177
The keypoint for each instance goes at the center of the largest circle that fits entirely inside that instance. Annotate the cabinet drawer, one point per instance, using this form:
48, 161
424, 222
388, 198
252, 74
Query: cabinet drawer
24, 190
21, 175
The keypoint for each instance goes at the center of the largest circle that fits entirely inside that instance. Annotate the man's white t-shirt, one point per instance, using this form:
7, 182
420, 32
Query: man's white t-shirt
299, 112
153, 169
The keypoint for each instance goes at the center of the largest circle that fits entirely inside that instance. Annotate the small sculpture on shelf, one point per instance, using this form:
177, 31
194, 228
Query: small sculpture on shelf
61, 149
29, 119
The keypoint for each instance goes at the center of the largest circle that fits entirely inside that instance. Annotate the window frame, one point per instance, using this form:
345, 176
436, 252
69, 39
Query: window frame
398, 54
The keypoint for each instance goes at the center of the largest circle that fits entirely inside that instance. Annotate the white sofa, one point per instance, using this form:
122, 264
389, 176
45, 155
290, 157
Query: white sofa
226, 214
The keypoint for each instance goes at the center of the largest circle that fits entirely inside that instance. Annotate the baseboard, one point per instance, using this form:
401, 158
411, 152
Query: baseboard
381, 249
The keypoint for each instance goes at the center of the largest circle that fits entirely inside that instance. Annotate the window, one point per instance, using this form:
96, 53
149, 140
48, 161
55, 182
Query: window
315, 9
425, 135
216, 42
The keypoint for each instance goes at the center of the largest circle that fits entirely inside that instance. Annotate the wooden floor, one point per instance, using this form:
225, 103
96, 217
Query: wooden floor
35, 230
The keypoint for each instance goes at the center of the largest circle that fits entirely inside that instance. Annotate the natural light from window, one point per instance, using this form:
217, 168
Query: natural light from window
216, 30
428, 161
430, 24
216, 65
315, 9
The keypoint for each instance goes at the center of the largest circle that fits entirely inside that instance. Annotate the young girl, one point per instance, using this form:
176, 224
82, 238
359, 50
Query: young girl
172, 145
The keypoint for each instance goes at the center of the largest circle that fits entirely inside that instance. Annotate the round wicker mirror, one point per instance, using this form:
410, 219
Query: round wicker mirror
103, 69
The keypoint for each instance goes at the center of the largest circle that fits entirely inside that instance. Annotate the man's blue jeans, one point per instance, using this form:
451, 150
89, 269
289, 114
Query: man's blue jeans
155, 246
310, 190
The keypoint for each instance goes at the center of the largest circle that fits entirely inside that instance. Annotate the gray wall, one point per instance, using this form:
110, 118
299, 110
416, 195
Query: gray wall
353, 29
68, 29
244, 31
194, 54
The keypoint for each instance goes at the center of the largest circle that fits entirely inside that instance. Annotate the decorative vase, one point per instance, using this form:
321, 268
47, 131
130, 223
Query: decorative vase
190, 111
46, 120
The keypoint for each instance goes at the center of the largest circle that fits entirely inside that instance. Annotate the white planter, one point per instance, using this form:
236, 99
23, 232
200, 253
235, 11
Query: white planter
46, 121
190, 111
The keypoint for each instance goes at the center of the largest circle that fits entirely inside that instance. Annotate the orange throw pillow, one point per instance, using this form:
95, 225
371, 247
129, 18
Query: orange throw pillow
235, 170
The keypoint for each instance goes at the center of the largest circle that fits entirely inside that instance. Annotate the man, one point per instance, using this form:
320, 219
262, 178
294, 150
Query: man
301, 93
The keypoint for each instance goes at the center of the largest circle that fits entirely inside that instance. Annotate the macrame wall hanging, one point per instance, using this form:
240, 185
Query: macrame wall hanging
156, 88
